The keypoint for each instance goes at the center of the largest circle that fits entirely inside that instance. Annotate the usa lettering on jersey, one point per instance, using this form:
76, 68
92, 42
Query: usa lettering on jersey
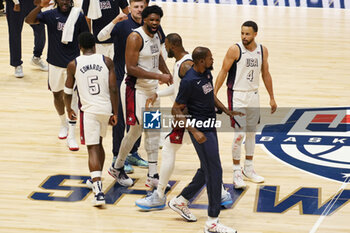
105, 5
207, 88
252, 62
60, 26
154, 48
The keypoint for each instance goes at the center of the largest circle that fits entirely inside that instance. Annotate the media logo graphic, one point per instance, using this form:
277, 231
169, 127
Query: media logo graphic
152, 119
314, 140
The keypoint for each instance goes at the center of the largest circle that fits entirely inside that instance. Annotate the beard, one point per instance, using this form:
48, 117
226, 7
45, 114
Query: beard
210, 68
171, 53
247, 42
149, 28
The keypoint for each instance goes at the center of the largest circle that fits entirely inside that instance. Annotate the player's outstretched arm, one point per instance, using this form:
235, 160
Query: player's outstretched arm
105, 33
222, 107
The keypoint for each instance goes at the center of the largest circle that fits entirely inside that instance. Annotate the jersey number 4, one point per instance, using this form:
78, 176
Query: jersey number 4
250, 75
94, 87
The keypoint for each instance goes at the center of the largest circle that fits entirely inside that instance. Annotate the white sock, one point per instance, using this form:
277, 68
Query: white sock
236, 167
181, 199
152, 168
97, 186
63, 120
212, 220
248, 163
71, 129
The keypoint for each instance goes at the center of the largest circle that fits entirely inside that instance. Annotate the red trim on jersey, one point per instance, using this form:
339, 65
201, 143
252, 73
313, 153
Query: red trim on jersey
230, 105
130, 99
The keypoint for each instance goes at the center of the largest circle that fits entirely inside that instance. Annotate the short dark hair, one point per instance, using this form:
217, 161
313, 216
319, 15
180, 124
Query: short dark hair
174, 39
251, 24
199, 53
86, 40
71, 3
154, 9
136, 1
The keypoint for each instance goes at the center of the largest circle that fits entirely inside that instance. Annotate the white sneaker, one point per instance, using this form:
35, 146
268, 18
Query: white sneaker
180, 206
38, 62
63, 132
217, 228
250, 175
152, 182
99, 199
72, 144
121, 177
238, 182
151, 202
226, 198
19, 71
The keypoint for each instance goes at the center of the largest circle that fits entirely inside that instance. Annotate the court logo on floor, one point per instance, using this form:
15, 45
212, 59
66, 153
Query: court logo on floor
315, 140
151, 119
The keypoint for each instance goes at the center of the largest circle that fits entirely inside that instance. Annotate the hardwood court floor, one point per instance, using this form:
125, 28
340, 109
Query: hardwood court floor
309, 63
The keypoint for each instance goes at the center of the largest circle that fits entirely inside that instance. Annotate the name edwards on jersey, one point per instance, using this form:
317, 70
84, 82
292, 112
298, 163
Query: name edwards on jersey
90, 67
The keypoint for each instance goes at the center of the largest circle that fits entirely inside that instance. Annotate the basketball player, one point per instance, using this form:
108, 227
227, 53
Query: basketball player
143, 63
119, 30
196, 93
173, 142
16, 11
109, 10
243, 62
59, 55
98, 93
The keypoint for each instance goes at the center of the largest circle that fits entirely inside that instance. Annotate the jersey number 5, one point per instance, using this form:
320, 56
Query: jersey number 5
94, 87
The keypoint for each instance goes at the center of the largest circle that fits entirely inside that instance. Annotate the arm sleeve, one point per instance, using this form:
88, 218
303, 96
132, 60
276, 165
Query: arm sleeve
105, 33
15, 2
168, 91
184, 92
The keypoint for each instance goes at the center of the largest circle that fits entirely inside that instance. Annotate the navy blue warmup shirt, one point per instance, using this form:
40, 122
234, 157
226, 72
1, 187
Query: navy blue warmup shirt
59, 54
109, 10
119, 34
197, 93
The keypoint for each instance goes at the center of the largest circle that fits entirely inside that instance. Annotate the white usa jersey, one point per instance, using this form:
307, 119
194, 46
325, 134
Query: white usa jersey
245, 72
176, 74
92, 79
148, 59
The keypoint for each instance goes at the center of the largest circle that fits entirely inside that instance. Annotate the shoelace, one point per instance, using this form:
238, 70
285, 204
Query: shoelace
217, 227
183, 208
